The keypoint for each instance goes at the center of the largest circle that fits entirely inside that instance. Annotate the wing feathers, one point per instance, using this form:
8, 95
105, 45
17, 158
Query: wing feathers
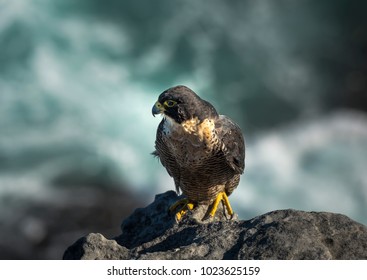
233, 143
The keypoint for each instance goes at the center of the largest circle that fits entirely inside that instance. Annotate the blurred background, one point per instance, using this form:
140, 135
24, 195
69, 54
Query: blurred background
78, 80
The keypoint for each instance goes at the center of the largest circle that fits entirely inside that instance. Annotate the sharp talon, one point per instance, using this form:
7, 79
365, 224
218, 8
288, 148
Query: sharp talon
181, 207
222, 196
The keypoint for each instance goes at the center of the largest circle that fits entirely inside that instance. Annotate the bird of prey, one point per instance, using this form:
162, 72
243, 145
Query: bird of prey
203, 151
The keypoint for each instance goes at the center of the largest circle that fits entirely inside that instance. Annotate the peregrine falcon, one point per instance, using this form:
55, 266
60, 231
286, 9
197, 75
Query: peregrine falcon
203, 151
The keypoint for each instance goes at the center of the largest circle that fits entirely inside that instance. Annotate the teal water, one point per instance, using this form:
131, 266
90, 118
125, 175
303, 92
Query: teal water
78, 80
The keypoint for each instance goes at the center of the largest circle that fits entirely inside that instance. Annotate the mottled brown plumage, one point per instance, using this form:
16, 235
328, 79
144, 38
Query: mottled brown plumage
204, 152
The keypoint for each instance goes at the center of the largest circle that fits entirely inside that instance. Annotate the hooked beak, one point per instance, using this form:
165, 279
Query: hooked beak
158, 108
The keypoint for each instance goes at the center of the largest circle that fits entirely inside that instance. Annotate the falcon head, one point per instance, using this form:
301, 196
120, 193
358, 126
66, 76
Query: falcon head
182, 104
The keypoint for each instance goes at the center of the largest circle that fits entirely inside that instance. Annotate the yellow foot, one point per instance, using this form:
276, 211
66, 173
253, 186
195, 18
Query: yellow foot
181, 207
221, 197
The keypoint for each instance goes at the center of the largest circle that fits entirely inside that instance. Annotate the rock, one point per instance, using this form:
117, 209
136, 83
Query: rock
153, 233
96, 247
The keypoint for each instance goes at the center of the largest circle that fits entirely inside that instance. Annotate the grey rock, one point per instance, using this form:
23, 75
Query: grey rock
153, 233
96, 247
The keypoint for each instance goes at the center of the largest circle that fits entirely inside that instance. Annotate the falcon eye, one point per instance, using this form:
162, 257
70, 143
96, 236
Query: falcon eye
169, 103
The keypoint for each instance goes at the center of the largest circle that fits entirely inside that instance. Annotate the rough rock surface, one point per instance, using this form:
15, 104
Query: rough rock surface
152, 233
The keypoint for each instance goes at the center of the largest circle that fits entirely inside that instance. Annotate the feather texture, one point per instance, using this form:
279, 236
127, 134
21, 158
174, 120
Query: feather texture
204, 154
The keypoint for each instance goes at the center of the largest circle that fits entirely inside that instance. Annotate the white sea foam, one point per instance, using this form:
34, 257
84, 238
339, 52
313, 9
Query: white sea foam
314, 165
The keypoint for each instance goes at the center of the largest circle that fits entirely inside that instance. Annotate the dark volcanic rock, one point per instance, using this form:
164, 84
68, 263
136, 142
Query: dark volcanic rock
152, 233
